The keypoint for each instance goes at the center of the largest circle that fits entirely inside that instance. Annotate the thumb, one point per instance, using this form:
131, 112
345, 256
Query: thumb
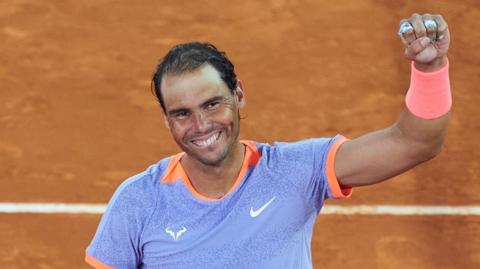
427, 55
418, 47
425, 41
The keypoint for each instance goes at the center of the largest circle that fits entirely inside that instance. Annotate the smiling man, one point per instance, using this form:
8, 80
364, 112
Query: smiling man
202, 114
226, 203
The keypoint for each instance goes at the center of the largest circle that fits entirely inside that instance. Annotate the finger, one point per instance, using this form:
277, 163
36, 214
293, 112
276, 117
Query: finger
418, 26
442, 27
417, 47
406, 32
430, 26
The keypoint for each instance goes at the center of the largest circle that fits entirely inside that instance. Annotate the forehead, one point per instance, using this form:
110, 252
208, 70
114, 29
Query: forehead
192, 88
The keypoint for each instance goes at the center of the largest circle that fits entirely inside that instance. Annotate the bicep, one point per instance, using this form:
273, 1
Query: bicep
369, 159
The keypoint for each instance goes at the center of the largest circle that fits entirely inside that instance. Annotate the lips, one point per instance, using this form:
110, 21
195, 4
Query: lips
206, 141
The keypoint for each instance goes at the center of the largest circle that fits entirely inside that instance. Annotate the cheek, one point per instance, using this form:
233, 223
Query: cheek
177, 130
226, 115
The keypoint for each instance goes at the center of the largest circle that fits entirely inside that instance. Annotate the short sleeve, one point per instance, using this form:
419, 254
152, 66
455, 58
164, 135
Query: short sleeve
324, 183
116, 241
311, 166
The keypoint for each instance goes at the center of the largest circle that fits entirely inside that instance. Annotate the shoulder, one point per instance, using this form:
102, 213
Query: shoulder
139, 191
307, 159
297, 150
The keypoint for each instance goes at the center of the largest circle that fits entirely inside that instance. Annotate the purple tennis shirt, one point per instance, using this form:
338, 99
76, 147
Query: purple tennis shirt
156, 219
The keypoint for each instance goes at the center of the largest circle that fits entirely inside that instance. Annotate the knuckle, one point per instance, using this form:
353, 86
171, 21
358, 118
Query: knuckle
418, 24
410, 36
439, 19
441, 24
442, 28
416, 17
427, 15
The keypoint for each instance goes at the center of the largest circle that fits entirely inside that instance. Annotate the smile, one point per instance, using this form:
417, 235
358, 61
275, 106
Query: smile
203, 143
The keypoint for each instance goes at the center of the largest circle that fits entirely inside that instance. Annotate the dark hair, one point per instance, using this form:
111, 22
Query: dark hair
189, 56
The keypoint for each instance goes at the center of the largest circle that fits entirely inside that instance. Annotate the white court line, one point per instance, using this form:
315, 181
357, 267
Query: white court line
398, 210
401, 210
49, 208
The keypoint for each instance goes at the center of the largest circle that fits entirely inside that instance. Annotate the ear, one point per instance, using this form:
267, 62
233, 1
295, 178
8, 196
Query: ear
240, 96
165, 121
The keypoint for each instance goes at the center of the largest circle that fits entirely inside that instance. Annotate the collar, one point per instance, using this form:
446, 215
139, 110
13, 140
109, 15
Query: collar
176, 172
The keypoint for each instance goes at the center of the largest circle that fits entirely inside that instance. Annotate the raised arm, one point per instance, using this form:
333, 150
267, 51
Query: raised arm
419, 132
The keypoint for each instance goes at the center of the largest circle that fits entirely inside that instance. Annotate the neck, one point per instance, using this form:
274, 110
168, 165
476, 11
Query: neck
214, 181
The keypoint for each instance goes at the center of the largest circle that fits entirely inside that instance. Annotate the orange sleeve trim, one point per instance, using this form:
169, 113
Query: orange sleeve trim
96, 263
335, 188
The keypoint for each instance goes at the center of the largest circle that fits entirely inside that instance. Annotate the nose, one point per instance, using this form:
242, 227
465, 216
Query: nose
200, 122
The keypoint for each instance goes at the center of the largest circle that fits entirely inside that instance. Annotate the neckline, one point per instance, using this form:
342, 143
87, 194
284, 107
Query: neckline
175, 171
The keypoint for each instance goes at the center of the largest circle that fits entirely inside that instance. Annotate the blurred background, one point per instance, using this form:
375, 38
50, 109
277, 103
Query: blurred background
77, 116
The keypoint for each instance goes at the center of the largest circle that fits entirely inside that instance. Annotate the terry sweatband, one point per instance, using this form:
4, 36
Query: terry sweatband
429, 95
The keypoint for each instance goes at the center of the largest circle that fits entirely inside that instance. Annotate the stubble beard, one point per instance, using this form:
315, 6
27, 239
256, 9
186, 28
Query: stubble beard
226, 152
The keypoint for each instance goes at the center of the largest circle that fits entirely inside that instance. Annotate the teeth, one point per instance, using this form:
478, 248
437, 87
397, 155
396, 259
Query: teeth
208, 142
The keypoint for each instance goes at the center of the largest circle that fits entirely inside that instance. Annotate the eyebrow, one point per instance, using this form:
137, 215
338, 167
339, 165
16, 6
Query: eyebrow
213, 99
177, 110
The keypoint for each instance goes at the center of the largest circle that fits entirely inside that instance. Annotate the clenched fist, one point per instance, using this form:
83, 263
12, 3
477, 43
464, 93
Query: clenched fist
426, 38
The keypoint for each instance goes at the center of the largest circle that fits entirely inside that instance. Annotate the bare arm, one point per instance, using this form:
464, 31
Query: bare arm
411, 140
380, 155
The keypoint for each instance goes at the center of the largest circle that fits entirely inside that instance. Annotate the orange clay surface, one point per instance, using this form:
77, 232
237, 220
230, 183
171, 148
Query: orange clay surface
77, 116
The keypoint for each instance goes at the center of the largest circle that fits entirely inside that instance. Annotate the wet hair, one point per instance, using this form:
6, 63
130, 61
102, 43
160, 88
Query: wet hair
188, 57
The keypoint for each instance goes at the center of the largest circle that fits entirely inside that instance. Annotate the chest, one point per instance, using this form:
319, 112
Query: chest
258, 220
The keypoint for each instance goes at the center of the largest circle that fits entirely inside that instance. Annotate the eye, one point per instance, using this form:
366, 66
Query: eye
213, 105
180, 115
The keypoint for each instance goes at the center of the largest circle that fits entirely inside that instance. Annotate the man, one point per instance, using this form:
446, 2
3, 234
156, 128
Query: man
225, 203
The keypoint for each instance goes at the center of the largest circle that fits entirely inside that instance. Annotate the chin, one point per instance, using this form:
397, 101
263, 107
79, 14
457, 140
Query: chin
211, 159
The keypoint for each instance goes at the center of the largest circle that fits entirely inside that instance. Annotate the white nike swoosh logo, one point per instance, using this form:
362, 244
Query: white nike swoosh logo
255, 213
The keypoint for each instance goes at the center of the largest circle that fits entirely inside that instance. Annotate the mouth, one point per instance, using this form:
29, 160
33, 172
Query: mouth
206, 141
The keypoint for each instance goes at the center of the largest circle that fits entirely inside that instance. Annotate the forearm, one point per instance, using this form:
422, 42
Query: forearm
425, 137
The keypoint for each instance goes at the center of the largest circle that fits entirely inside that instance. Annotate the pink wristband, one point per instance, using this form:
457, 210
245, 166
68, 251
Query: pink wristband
429, 96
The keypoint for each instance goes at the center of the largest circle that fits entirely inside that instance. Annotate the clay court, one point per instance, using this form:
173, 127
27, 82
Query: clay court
77, 116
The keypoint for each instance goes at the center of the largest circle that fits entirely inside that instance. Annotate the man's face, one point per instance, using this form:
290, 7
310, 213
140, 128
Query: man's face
202, 114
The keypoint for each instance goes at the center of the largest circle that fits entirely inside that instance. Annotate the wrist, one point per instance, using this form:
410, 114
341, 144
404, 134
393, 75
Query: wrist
432, 66
429, 95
